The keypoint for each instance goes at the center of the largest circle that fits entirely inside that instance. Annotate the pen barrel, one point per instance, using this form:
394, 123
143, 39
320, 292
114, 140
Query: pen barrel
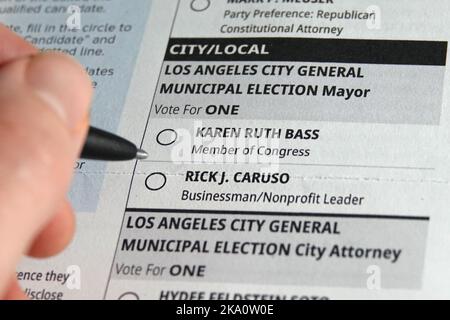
102, 145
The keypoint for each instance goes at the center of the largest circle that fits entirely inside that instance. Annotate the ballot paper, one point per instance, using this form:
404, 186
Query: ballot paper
298, 149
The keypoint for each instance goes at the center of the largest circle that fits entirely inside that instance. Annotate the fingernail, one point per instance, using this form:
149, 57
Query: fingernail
63, 85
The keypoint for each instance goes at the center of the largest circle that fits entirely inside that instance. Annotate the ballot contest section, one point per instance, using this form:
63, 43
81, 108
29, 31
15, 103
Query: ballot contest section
289, 162
298, 150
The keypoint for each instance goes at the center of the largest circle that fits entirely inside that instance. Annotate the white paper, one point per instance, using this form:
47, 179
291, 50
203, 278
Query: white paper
298, 149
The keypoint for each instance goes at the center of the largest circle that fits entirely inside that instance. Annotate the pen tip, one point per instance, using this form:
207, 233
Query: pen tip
141, 154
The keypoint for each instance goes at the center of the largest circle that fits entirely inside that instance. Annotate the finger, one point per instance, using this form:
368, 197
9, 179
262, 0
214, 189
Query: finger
56, 235
44, 102
12, 46
15, 292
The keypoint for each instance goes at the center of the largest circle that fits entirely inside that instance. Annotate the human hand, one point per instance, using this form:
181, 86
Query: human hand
44, 114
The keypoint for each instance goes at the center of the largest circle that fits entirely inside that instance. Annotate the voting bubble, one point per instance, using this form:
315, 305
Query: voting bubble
129, 296
200, 5
167, 137
156, 181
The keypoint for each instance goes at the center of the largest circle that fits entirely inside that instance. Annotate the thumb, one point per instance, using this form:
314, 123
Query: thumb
44, 103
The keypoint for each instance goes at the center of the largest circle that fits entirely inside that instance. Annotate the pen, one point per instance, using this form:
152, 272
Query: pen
102, 145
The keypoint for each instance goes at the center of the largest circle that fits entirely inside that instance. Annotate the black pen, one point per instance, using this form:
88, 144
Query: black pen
105, 146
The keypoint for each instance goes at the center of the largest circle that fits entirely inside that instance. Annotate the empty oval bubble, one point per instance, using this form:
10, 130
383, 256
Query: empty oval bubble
200, 5
167, 137
129, 296
156, 181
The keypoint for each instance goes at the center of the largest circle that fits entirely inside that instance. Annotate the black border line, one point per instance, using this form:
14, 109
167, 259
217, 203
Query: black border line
136, 163
276, 214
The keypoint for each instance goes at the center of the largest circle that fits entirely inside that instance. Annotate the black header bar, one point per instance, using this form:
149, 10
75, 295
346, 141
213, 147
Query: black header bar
432, 53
